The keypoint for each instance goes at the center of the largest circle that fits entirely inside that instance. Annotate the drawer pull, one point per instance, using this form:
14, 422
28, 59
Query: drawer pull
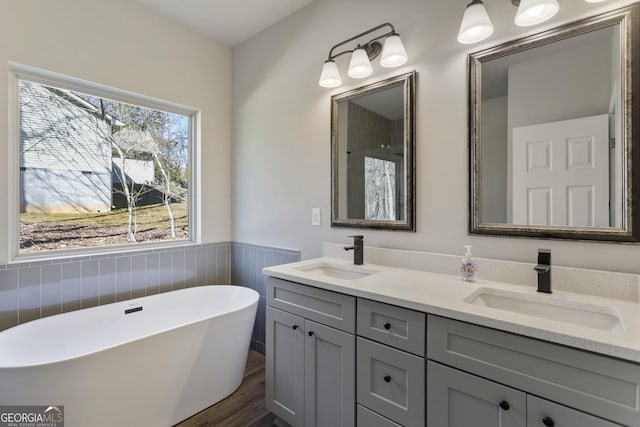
548, 421
387, 378
387, 325
504, 405
295, 327
310, 333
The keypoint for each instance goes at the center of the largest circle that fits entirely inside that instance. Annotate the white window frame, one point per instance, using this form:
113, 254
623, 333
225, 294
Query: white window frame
19, 72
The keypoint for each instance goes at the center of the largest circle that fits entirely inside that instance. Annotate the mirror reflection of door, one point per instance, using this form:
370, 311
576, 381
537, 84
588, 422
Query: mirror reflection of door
561, 173
375, 155
538, 112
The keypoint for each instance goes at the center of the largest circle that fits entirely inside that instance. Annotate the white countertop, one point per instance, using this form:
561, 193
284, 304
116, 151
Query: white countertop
444, 295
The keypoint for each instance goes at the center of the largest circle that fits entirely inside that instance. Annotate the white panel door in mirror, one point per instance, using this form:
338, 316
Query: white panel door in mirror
560, 173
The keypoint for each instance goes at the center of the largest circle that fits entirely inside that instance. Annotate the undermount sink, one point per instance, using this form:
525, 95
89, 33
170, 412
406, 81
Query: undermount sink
595, 316
337, 271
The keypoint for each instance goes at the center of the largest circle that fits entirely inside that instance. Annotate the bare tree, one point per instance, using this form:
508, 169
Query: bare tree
125, 142
151, 131
380, 195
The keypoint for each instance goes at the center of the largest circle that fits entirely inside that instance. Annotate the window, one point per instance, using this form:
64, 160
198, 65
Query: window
379, 187
99, 168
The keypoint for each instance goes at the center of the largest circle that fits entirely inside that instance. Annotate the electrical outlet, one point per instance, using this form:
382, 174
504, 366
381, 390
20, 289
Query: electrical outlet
315, 216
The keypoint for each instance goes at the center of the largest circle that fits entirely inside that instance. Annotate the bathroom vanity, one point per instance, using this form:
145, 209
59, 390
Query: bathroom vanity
374, 346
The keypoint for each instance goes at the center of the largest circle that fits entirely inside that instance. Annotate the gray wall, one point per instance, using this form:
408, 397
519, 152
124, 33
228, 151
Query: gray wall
281, 155
551, 91
248, 262
494, 160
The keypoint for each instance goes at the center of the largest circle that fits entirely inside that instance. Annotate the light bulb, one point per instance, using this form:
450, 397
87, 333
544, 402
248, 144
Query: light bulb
532, 12
474, 31
535, 11
360, 66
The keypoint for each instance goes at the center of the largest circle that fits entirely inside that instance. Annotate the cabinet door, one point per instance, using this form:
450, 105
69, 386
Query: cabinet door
458, 399
285, 366
582, 380
329, 380
542, 413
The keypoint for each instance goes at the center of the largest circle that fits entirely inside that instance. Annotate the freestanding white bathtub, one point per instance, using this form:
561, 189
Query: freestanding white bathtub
184, 351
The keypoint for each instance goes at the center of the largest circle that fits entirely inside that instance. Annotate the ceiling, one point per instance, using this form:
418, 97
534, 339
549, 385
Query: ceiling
229, 22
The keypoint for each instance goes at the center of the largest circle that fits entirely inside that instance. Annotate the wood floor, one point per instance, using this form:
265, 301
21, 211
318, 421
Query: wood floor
244, 408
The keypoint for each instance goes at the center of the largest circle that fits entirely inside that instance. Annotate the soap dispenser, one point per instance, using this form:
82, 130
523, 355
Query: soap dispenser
468, 269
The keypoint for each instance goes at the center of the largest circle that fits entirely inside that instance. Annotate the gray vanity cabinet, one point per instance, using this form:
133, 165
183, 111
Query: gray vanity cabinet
368, 418
390, 364
285, 366
391, 383
319, 374
310, 365
540, 411
580, 389
458, 399
329, 377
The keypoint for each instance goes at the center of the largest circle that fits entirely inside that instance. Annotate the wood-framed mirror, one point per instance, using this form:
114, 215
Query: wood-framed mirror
554, 133
373, 155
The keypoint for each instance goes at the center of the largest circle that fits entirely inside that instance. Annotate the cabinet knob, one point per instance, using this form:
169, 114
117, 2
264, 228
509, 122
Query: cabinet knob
310, 333
295, 327
504, 405
387, 325
548, 421
387, 378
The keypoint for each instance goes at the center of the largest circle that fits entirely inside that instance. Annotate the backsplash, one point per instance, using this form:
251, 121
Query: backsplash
599, 283
247, 265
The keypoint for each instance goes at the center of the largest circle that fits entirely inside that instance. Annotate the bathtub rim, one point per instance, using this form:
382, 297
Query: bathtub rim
252, 303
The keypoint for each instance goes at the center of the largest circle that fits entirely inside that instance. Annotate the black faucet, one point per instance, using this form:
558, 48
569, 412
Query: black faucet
358, 249
543, 268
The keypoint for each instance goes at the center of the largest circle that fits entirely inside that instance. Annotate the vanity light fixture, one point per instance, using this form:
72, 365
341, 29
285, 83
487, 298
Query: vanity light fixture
476, 24
392, 54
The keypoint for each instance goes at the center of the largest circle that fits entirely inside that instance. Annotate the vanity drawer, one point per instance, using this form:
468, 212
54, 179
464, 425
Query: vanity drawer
367, 418
395, 326
596, 384
326, 307
539, 409
391, 382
